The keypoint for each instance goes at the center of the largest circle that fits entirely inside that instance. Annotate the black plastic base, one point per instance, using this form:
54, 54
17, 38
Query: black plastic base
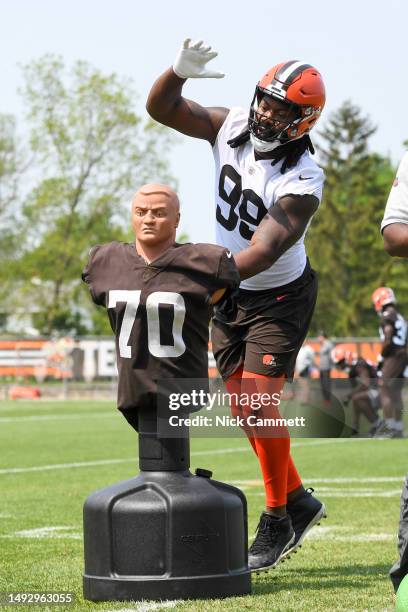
192, 587
166, 535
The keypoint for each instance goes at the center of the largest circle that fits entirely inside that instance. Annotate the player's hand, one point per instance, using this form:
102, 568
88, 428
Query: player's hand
192, 59
226, 308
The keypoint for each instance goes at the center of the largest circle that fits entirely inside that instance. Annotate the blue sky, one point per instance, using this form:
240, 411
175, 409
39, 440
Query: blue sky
359, 47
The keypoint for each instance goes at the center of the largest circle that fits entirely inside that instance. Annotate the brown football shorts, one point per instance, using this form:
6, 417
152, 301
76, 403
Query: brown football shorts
392, 371
268, 330
394, 365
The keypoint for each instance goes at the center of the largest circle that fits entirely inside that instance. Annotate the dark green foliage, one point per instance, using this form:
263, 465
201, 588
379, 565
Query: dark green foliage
91, 153
344, 241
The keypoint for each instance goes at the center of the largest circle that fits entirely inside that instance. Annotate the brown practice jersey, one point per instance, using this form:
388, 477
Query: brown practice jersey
359, 371
159, 312
391, 317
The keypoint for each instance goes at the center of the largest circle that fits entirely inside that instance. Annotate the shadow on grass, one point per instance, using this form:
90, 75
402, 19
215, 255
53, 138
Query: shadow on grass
319, 579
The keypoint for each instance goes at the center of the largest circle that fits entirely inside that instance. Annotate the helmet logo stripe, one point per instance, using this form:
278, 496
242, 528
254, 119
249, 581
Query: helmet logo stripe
284, 68
290, 71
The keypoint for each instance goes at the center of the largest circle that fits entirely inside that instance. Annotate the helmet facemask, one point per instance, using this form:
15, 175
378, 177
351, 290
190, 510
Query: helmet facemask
276, 130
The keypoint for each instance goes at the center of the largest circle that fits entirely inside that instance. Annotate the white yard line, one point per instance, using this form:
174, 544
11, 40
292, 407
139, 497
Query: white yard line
148, 606
216, 451
64, 466
363, 479
343, 534
332, 533
57, 417
257, 482
395, 493
61, 532
340, 534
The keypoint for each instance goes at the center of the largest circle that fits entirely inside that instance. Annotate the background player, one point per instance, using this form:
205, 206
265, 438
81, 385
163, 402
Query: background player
157, 294
394, 228
364, 388
304, 366
266, 181
393, 333
326, 347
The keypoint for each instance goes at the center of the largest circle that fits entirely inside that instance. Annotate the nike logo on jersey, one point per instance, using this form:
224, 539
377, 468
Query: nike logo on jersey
228, 254
305, 178
280, 297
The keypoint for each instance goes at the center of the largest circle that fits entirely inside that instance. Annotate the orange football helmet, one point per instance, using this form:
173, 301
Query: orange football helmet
382, 297
342, 356
296, 84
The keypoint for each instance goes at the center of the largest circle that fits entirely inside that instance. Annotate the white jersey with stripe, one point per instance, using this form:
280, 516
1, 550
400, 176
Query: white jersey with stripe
244, 191
396, 210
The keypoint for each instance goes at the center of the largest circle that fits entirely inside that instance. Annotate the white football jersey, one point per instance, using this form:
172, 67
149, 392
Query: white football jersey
396, 210
244, 191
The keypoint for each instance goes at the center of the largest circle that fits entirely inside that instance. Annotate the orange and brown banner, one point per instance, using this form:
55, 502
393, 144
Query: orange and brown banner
90, 358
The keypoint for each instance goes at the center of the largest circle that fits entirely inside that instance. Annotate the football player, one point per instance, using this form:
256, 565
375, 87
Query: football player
158, 295
364, 387
267, 188
393, 333
394, 225
394, 228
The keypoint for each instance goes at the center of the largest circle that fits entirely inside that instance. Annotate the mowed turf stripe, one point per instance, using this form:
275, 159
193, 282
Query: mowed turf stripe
217, 451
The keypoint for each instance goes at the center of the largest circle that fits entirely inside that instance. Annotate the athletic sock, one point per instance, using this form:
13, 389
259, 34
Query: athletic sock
233, 386
273, 450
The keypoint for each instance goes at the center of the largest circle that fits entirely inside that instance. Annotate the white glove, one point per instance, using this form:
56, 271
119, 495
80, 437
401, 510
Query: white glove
191, 62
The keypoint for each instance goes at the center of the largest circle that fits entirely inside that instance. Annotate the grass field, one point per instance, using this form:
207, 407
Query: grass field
54, 454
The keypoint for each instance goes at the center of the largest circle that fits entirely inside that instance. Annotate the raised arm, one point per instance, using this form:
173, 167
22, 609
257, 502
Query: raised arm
166, 104
396, 239
284, 224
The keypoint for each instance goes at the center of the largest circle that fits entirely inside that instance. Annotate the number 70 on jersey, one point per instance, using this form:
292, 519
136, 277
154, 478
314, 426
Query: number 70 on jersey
132, 300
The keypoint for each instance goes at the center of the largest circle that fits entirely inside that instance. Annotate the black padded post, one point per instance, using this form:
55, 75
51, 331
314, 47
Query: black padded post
158, 454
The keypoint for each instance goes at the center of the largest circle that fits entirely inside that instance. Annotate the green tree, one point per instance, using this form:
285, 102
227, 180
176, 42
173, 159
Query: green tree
344, 240
12, 168
92, 151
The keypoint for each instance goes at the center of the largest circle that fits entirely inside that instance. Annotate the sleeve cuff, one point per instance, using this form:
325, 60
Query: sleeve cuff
390, 221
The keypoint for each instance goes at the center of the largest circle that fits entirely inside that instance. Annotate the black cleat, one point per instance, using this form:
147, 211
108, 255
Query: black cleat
305, 512
397, 433
384, 431
374, 429
273, 539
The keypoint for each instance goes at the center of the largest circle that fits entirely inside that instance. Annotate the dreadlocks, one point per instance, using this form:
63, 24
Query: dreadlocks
290, 152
